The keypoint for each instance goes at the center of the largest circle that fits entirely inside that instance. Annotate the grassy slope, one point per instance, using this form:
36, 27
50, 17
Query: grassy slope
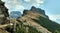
50, 25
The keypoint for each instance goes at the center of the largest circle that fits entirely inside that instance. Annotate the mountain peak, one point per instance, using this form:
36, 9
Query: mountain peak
35, 10
39, 10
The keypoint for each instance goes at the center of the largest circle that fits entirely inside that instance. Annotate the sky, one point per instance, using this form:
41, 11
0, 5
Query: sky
51, 7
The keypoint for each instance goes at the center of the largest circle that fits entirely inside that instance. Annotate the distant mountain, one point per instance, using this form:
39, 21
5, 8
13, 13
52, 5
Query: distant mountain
15, 14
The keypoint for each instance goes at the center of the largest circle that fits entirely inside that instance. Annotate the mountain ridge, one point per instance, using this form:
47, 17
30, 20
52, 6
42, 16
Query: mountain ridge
28, 15
32, 21
32, 17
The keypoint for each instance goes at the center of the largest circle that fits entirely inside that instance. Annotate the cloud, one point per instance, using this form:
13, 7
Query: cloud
55, 18
39, 1
27, 0
35, 1
20, 5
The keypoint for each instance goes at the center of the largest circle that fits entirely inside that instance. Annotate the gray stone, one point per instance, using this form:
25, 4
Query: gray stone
3, 13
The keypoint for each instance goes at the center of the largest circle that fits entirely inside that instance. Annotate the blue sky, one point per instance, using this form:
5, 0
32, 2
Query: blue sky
51, 7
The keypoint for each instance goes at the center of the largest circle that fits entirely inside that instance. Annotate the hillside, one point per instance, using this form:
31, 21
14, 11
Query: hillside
39, 20
32, 21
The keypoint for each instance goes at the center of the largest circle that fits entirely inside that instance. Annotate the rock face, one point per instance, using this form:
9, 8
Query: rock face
34, 13
37, 11
3, 16
3, 13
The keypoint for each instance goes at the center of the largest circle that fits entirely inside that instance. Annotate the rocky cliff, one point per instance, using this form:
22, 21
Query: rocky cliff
37, 11
3, 16
3, 13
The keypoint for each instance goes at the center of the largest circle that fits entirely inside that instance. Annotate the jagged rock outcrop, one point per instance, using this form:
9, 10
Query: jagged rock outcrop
3, 13
3, 17
37, 11
34, 13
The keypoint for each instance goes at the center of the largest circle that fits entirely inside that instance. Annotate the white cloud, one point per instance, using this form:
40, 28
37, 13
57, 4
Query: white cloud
39, 1
55, 18
27, 0
35, 1
21, 4
19, 7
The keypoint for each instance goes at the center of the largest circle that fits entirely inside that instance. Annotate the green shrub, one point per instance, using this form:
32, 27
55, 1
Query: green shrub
48, 24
